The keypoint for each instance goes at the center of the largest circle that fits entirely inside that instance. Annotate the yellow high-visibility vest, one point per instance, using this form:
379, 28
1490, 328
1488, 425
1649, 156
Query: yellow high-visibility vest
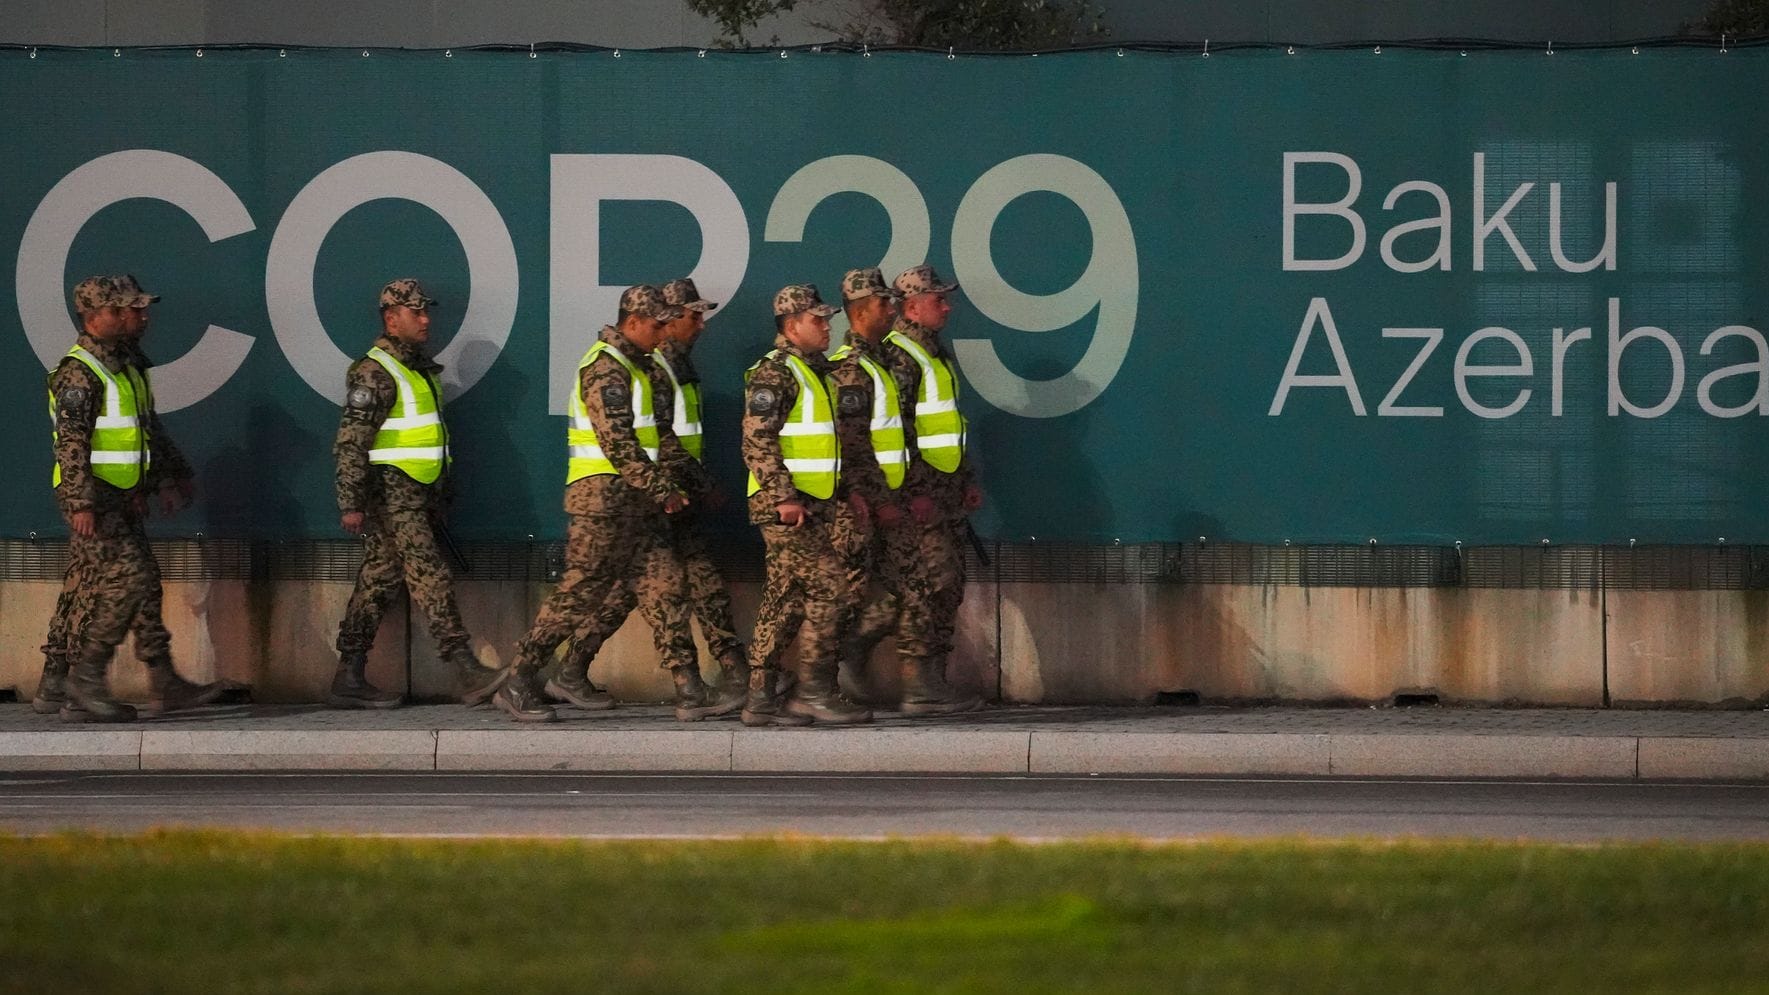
412, 438
808, 441
584, 455
686, 420
119, 434
939, 426
887, 417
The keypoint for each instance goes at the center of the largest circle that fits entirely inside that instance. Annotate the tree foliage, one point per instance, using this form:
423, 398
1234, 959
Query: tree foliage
1734, 18
974, 25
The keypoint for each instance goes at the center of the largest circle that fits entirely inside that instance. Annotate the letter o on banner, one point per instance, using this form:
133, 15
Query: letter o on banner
294, 251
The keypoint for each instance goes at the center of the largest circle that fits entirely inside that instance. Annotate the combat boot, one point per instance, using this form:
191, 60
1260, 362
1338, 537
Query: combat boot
925, 691
168, 692
818, 696
350, 689
89, 694
764, 707
733, 684
694, 700
521, 697
52, 687
474, 684
572, 685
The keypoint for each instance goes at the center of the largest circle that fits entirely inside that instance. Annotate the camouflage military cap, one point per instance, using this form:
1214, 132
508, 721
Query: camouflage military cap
869, 282
406, 292
801, 297
922, 280
132, 285
95, 292
648, 301
683, 293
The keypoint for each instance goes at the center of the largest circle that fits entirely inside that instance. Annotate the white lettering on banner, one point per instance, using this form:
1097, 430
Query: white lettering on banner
1318, 313
1354, 184
1432, 337
1524, 367
1561, 342
579, 301
816, 182
65, 210
1109, 286
490, 309
1484, 225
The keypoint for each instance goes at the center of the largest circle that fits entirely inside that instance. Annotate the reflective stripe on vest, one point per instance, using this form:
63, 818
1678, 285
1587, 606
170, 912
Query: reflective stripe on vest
887, 417
412, 438
939, 427
686, 420
584, 455
119, 454
808, 442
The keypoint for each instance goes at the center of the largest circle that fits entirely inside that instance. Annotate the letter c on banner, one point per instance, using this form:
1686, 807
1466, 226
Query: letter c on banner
65, 210
294, 251
1110, 283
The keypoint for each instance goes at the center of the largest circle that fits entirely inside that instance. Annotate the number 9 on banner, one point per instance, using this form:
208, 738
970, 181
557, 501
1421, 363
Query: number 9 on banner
1109, 285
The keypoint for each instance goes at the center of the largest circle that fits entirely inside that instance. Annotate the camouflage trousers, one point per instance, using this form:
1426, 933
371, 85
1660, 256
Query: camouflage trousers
701, 591
815, 572
611, 563
922, 570
400, 549
111, 589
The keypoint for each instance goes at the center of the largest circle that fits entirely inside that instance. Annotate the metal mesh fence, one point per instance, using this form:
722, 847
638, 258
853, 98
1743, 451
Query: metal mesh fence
1716, 567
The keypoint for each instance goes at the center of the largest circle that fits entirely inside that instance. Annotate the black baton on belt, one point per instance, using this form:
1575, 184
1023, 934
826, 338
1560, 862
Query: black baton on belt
449, 547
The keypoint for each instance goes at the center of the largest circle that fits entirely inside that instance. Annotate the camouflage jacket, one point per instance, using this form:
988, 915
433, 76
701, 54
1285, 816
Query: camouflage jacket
79, 396
639, 487
369, 394
947, 489
767, 403
853, 402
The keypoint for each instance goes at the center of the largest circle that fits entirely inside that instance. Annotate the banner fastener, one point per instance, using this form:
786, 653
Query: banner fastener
448, 53
617, 53
282, 53
1206, 48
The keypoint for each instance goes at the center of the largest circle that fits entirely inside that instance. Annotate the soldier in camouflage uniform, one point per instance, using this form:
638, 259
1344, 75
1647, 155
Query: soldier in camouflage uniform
674, 378
924, 558
108, 438
393, 481
812, 526
619, 490
871, 306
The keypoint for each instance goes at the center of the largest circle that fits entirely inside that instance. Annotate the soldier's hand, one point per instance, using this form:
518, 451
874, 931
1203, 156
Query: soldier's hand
675, 502
973, 497
792, 514
922, 508
714, 499
888, 514
84, 523
862, 510
352, 522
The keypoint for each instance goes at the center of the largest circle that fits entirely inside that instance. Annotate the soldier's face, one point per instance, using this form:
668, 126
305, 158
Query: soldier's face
104, 322
687, 328
808, 331
928, 310
135, 321
871, 316
406, 324
646, 333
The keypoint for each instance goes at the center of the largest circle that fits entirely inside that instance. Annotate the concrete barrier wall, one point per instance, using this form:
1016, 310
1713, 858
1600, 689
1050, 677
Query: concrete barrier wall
1050, 643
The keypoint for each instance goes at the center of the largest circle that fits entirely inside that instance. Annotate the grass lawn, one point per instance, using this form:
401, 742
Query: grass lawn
228, 912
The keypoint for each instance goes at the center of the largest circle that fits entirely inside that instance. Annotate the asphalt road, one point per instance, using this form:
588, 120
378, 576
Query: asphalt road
877, 806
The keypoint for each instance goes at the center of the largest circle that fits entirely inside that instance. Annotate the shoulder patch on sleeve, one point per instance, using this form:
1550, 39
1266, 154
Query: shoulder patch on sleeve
360, 398
852, 400
763, 400
71, 398
615, 396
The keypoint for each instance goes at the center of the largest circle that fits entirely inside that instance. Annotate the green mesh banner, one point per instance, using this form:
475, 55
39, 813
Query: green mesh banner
1328, 296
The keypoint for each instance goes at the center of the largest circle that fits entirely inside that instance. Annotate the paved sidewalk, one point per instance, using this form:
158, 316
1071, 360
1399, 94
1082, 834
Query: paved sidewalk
1322, 742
